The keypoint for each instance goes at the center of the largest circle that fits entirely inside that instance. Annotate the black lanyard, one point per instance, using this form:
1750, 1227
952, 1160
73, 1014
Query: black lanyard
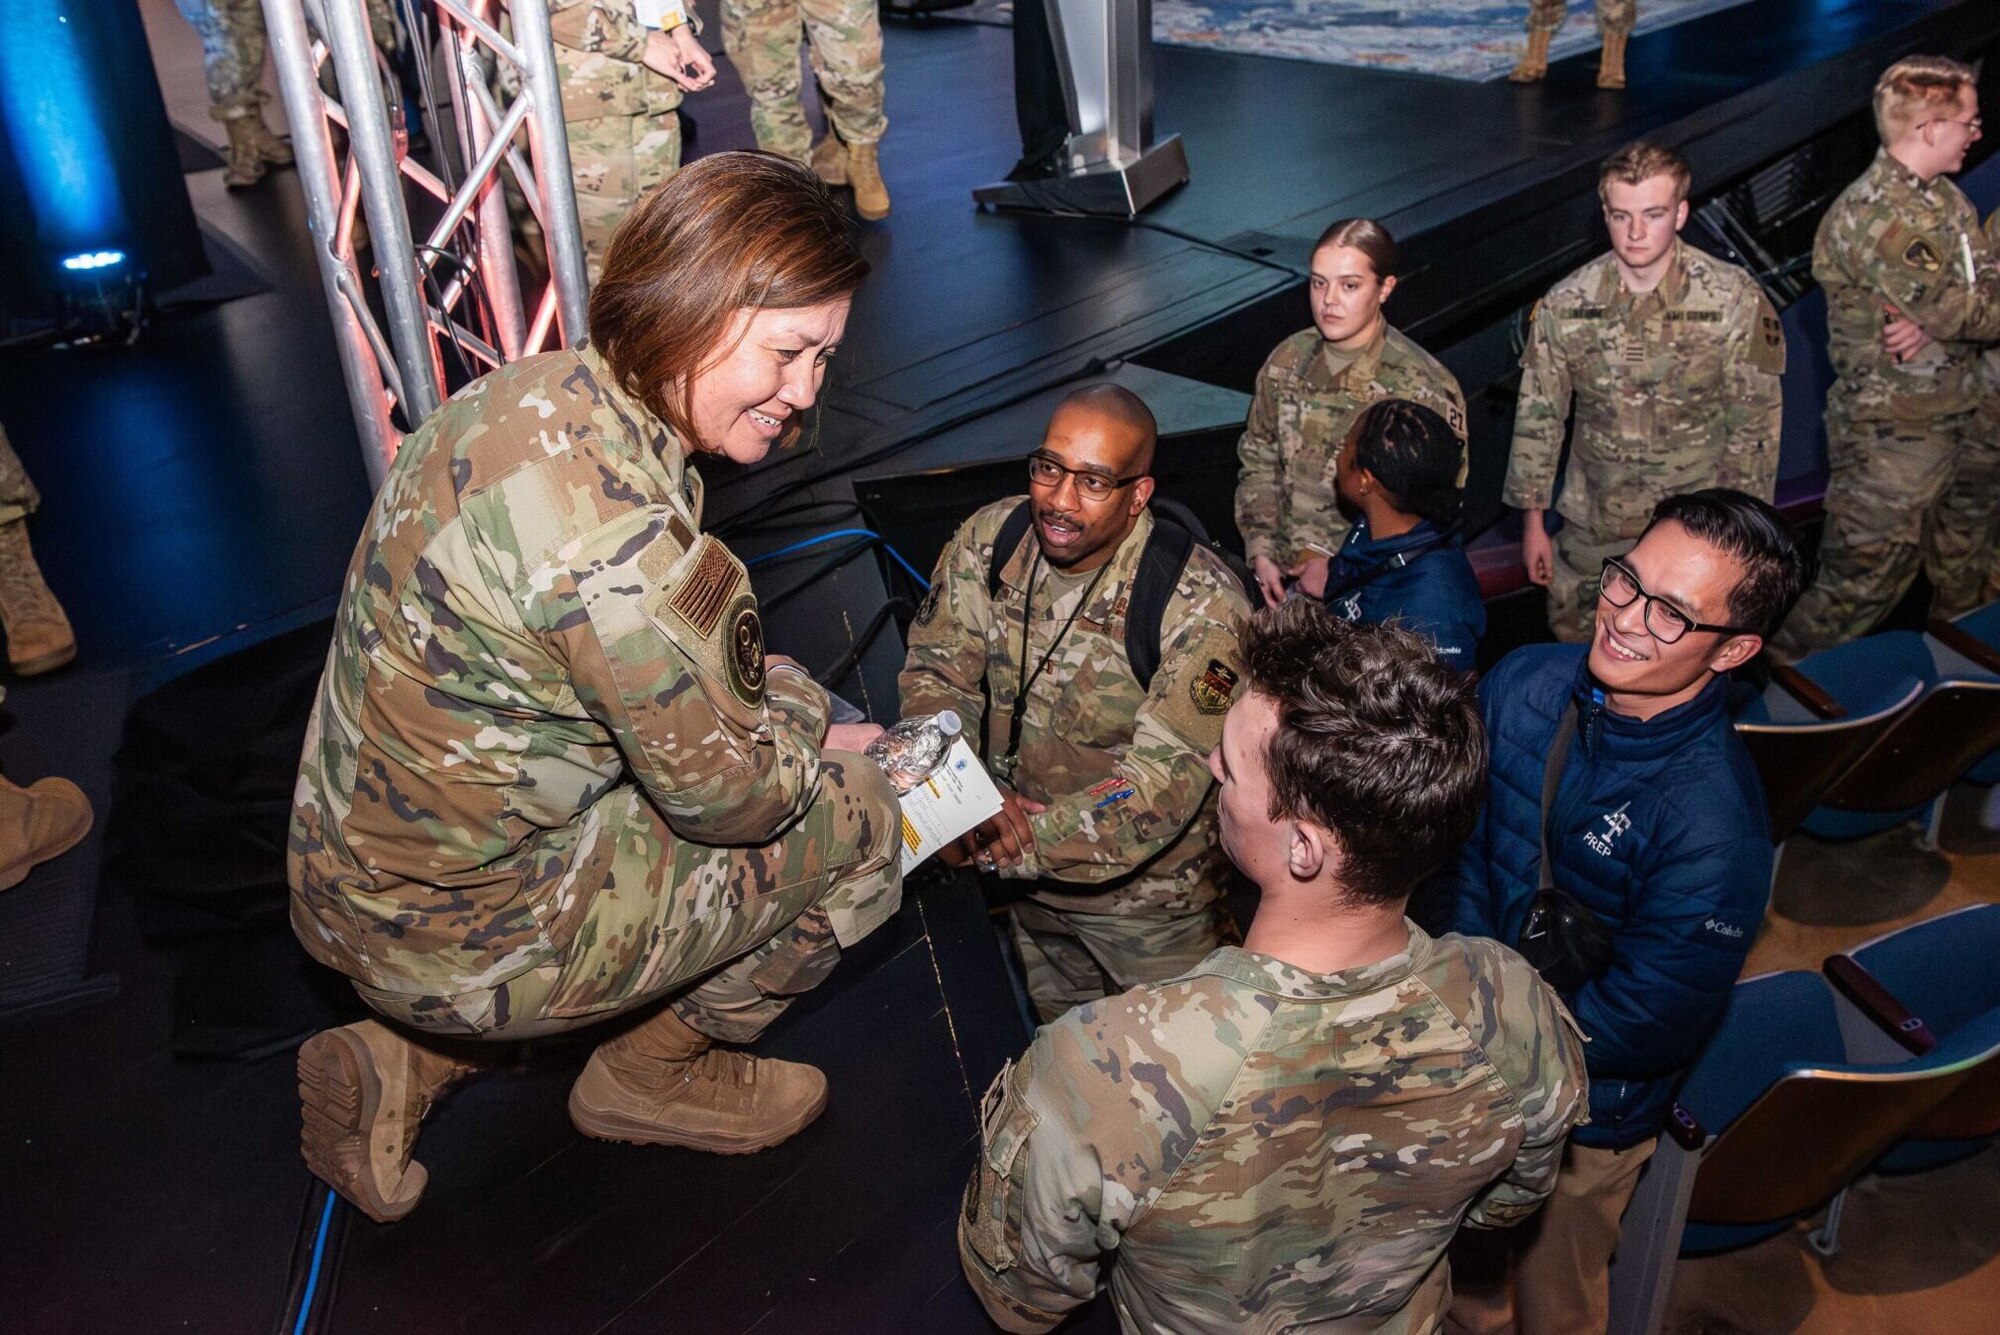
1025, 680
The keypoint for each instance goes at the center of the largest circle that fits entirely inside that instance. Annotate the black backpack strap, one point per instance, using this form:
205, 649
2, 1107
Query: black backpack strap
1012, 529
1160, 565
1552, 772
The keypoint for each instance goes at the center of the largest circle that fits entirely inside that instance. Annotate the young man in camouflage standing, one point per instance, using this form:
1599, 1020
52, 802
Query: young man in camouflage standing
844, 43
1672, 359
1287, 1137
1110, 809
1912, 288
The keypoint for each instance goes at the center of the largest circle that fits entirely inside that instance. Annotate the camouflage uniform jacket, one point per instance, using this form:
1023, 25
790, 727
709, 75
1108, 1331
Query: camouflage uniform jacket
532, 624
1893, 240
1308, 395
1676, 389
600, 47
1269, 1149
1124, 770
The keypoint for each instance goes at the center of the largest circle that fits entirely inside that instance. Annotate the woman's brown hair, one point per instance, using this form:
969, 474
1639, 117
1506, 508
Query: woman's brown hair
1367, 236
729, 231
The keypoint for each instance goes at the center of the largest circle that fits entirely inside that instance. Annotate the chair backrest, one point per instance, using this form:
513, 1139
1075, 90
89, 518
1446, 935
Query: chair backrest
1815, 1130
1942, 969
1924, 751
1800, 762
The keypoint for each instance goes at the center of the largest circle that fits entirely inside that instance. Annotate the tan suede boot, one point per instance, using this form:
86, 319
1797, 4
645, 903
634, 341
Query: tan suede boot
871, 197
39, 638
1611, 65
1534, 66
272, 149
42, 821
246, 162
829, 159
363, 1092
663, 1083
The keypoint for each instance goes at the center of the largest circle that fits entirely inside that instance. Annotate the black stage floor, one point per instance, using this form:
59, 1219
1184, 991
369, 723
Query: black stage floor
203, 491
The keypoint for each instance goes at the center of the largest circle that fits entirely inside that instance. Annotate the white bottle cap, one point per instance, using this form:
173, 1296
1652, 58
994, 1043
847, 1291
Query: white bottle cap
948, 722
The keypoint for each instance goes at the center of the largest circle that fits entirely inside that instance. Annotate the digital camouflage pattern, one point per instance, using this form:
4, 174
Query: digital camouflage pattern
18, 497
1612, 15
624, 129
1130, 829
1675, 390
844, 44
1308, 395
1272, 1150
545, 713
1896, 433
232, 50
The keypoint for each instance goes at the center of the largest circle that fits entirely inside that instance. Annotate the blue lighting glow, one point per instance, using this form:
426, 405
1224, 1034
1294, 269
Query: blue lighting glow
54, 120
93, 259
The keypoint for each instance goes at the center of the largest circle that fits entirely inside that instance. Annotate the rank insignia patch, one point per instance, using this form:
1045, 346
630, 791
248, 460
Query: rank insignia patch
1214, 687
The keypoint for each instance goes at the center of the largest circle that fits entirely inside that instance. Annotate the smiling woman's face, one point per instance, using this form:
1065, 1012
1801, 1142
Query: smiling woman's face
768, 373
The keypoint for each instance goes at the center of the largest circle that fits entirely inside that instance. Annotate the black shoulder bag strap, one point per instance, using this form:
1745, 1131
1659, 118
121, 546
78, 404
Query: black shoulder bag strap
1396, 562
1552, 774
1567, 943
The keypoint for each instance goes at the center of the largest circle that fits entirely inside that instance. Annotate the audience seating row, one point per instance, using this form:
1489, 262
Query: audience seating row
1890, 1061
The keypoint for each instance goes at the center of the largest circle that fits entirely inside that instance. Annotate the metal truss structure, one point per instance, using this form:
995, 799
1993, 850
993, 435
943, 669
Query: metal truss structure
460, 284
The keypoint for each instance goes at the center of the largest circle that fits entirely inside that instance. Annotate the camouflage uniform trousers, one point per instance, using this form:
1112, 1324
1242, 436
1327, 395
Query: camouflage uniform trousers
1612, 15
737, 932
844, 42
1579, 568
1900, 496
1071, 958
18, 497
615, 161
232, 50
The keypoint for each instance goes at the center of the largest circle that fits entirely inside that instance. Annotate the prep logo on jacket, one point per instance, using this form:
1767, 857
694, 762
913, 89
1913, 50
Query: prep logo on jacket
1615, 824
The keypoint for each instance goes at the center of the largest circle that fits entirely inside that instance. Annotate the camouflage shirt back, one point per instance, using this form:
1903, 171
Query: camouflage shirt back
532, 625
1272, 1150
1122, 767
1894, 240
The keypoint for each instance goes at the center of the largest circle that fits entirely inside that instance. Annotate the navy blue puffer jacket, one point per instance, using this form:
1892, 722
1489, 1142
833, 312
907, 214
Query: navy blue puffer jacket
1659, 828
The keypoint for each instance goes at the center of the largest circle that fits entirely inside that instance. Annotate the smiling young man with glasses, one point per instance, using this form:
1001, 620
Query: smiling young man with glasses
1616, 763
1912, 289
1094, 716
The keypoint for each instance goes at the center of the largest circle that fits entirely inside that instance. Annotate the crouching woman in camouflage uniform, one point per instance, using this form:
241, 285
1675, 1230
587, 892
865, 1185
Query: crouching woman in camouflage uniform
552, 776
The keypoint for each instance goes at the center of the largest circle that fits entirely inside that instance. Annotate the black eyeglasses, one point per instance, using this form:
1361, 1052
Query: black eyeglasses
1045, 471
1665, 622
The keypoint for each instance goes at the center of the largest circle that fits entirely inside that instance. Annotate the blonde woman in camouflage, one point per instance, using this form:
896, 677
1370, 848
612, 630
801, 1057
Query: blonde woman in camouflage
552, 778
1309, 392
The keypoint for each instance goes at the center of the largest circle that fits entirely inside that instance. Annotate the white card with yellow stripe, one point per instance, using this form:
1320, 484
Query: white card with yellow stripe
956, 796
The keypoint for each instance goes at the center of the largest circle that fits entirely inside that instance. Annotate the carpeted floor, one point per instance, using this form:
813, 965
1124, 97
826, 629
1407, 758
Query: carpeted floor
1919, 1253
1474, 40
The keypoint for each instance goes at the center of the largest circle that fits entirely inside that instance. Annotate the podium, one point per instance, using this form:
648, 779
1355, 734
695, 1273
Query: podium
1104, 51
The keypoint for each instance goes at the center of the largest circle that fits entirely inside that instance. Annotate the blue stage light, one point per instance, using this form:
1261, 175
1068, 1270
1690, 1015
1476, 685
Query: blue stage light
56, 127
93, 259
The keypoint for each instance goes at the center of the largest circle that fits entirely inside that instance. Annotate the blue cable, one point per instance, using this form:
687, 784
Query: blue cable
823, 538
319, 1255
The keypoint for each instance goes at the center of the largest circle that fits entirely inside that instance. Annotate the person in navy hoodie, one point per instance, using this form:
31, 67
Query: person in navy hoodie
1402, 561
1658, 828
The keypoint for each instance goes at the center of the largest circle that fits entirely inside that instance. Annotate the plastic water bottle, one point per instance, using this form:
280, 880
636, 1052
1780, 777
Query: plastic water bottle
909, 751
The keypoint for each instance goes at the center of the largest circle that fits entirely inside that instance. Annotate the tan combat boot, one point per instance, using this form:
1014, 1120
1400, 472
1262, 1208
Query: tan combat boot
829, 159
272, 149
246, 159
662, 1083
39, 822
1611, 65
1534, 66
364, 1091
38, 635
871, 197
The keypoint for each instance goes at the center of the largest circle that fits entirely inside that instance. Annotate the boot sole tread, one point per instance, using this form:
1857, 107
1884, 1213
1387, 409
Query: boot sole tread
335, 1105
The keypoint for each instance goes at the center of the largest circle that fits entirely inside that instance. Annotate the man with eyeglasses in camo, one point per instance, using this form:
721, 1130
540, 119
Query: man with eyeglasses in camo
1092, 647
1656, 829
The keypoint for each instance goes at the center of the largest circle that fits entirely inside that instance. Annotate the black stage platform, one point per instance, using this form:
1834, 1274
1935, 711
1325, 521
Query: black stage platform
203, 492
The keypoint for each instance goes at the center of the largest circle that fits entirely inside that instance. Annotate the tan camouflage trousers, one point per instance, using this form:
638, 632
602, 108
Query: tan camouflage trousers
18, 497
616, 160
732, 933
1612, 15
844, 43
1071, 958
232, 49
1579, 568
1900, 496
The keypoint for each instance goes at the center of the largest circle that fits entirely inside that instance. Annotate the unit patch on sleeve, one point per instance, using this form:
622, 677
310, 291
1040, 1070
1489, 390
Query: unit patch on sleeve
1213, 689
744, 651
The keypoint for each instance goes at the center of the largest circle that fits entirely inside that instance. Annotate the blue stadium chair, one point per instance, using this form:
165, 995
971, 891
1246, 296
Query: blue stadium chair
1802, 741
1773, 1122
1970, 647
